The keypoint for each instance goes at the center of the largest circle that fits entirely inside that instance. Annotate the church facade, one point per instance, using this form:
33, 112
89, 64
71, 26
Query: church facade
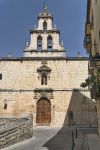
45, 82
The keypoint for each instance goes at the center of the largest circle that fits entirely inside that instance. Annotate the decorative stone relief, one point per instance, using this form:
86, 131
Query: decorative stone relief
44, 72
44, 69
44, 62
39, 93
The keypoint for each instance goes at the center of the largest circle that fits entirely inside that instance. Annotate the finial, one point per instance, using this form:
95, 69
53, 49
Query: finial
9, 55
78, 55
62, 44
27, 44
55, 27
44, 3
35, 27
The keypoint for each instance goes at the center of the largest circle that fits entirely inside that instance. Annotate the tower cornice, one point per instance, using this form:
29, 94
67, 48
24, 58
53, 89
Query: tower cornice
47, 16
47, 31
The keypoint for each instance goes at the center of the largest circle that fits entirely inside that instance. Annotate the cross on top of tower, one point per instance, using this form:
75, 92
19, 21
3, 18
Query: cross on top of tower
44, 5
45, 12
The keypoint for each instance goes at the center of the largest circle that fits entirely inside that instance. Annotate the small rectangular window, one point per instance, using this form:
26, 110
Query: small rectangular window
5, 106
0, 76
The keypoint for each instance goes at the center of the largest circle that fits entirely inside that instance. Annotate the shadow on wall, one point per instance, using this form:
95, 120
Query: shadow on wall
81, 111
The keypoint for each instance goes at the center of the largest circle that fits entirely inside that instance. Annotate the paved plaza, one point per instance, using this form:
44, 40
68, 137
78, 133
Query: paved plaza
48, 138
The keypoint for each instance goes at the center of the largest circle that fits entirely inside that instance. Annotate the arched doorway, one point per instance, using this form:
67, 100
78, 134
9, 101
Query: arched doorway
43, 116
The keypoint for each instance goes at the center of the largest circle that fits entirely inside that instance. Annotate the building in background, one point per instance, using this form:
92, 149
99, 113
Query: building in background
45, 82
92, 44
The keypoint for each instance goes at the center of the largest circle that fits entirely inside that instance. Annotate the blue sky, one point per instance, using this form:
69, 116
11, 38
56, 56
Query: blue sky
17, 17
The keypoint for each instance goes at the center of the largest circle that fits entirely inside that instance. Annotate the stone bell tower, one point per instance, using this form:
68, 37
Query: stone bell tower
45, 38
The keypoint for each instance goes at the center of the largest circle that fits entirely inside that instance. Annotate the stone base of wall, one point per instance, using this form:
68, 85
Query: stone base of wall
17, 134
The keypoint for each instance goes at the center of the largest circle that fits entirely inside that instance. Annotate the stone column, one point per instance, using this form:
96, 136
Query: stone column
44, 44
33, 42
52, 115
34, 115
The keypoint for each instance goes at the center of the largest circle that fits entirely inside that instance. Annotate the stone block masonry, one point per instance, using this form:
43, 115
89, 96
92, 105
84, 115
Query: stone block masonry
21, 90
17, 133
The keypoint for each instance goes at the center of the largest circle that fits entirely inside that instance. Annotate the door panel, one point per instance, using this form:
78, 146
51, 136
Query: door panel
43, 112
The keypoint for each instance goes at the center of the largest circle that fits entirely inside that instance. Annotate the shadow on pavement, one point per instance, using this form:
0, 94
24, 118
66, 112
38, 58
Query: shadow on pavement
61, 141
79, 108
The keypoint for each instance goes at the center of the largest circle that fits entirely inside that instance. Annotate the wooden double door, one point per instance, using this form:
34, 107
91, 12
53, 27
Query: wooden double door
43, 116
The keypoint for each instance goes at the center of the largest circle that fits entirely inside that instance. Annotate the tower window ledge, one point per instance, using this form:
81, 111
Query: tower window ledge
41, 51
51, 51
35, 51
45, 16
55, 50
56, 30
42, 31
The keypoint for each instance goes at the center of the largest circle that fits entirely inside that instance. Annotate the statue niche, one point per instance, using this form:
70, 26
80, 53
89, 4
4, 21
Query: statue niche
44, 72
